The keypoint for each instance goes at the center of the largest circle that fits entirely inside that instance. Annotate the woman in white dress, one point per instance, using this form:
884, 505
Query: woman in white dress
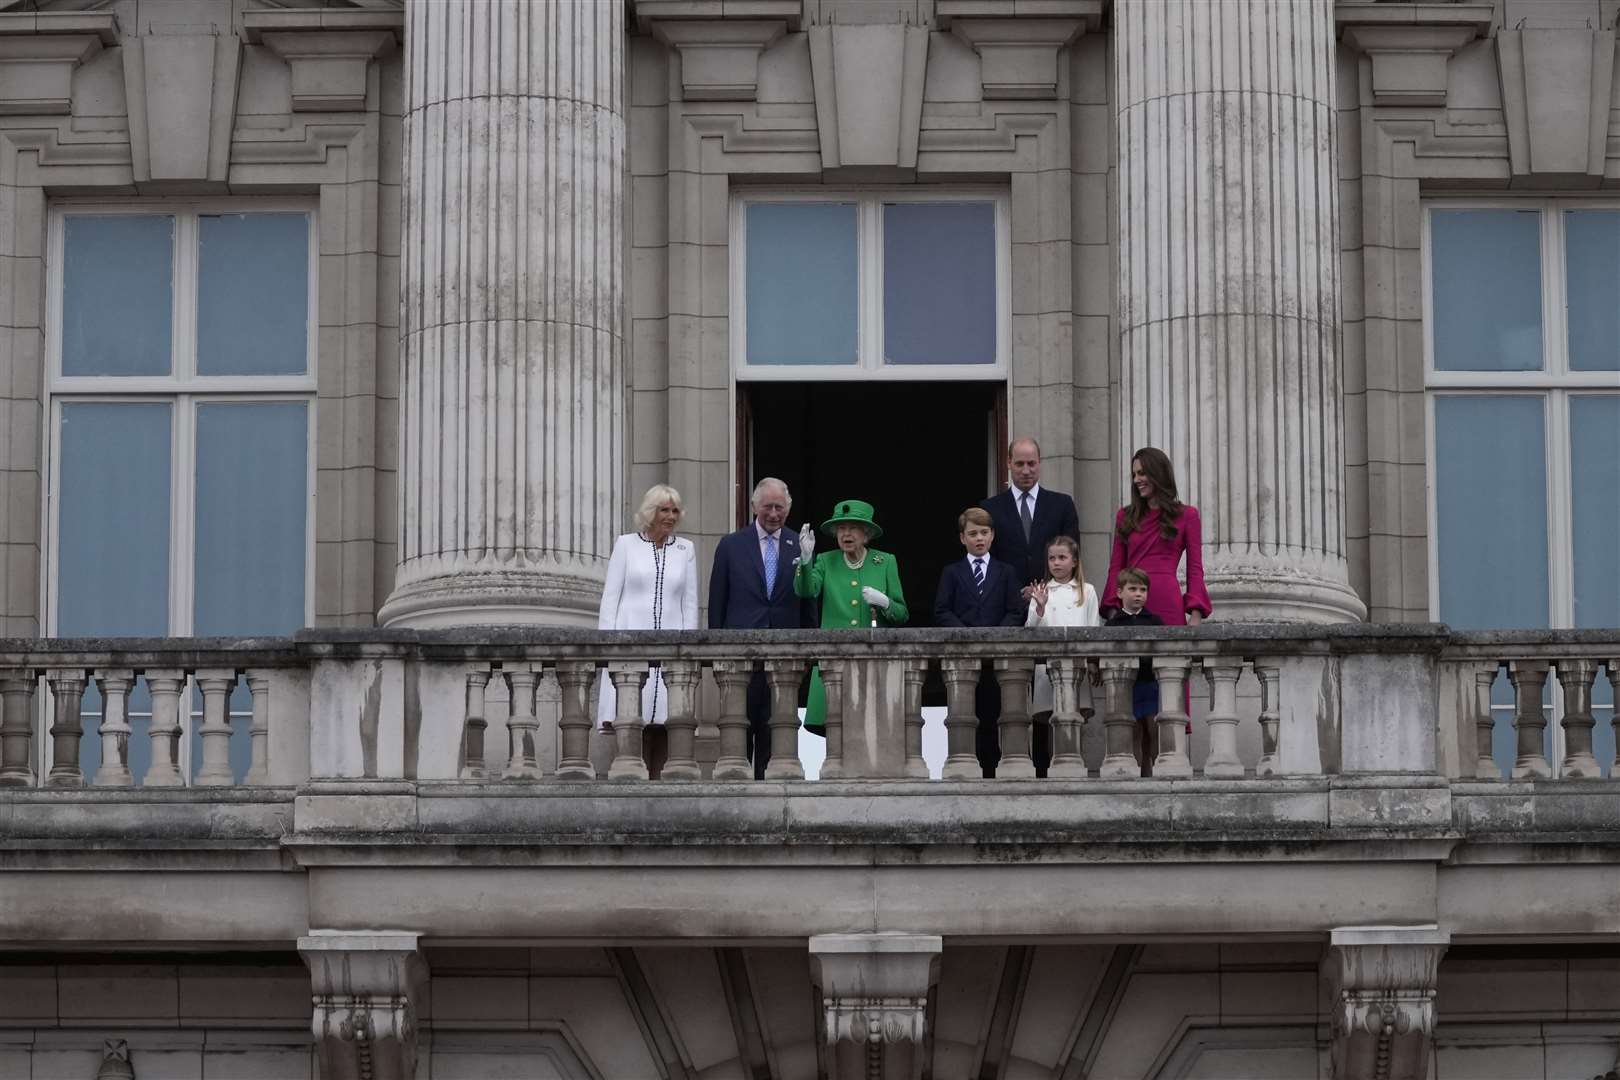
652, 584
1065, 598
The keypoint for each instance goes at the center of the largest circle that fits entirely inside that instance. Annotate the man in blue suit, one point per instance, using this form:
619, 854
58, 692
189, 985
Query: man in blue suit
1027, 516
981, 590
751, 588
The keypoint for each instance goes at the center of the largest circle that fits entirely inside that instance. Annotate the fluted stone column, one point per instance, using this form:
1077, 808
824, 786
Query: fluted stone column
1230, 326
511, 442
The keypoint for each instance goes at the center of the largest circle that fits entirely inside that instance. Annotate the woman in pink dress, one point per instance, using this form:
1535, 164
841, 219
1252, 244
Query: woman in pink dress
1152, 533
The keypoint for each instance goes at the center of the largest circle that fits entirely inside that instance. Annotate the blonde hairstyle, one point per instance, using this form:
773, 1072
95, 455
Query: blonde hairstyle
657, 496
973, 515
1064, 540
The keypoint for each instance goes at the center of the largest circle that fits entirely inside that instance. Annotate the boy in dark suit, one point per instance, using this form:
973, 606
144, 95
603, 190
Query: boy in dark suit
1133, 593
980, 591
751, 588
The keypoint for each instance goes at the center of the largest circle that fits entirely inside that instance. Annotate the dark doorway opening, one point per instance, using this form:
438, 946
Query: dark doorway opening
920, 453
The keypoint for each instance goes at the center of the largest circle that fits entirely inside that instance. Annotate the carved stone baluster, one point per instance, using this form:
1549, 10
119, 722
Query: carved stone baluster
681, 681
1068, 763
1173, 761
1223, 762
164, 731
67, 689
1485, 767
733, 677
784, 677
628, 762
1270, 676
258, 683
1014, 677
961, 722
832, 682
522, 760
473, 727
1119, 722
1576, 676
216, 686
916, 673
17, 729
114, 770
1530, 718
575, 678
1612, 667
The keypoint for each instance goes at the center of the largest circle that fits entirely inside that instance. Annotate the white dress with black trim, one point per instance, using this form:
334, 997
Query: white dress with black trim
648, 587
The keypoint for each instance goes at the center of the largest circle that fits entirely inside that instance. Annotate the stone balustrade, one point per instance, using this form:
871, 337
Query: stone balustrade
518, 706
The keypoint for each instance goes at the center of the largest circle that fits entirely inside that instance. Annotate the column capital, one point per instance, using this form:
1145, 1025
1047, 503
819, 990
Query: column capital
1384, 980
365, 985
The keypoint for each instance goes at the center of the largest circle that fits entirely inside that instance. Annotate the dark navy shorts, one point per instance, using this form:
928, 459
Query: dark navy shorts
1145, 699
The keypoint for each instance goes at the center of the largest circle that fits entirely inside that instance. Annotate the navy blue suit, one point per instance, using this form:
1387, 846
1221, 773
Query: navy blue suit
960, 603
737, 601
1054, 515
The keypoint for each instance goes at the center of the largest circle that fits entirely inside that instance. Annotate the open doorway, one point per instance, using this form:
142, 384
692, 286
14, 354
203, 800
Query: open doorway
919, 452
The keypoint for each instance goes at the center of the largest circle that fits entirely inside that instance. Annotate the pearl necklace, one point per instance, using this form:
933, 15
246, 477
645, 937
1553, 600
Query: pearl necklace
854, 565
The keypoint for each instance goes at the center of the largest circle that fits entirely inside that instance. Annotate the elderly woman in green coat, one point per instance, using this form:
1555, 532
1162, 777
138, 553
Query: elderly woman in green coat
857, 585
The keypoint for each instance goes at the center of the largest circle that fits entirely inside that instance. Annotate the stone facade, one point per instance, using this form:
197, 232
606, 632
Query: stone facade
525, 314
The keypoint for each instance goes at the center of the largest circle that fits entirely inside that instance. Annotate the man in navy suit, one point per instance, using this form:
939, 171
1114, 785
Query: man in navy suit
751, 588
1027, 516
980, 590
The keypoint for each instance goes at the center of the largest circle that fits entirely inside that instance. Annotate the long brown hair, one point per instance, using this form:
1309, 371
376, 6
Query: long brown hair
1156, 466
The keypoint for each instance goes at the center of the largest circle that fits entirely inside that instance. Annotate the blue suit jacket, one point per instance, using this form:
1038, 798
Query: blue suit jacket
958, 603
1054, 516
737, 599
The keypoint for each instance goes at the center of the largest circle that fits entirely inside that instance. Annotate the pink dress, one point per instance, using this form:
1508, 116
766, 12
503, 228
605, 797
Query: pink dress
1159, 557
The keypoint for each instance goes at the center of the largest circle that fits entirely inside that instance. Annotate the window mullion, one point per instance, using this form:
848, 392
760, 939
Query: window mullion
182, 515
871, 291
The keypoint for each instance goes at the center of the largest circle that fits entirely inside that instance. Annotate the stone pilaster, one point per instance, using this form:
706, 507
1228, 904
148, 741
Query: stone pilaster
1383, 982
512, 294
365, 985
1230, 323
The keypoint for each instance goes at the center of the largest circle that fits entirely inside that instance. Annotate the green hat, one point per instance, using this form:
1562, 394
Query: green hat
856, 513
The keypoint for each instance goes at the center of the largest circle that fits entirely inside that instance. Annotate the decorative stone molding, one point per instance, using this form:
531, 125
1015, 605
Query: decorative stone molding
1555, 99
1383, 980
1410, 45
719, 44
181, 90
38, 54
115, 1064
879, 71
365, 986
327, 51
874, 995
1017, 41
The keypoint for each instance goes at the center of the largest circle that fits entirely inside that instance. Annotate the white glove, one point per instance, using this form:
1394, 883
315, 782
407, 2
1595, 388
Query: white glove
874, 598
807, 544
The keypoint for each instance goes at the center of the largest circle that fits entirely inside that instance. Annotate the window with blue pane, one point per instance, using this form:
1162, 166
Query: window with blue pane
1485, 281
939, 283
183, 509
803, 283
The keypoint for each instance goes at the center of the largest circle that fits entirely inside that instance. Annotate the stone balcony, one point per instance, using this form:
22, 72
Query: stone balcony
1337, 777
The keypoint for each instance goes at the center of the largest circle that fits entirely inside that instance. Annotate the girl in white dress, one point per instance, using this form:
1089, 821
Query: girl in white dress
1064, 599
652, 584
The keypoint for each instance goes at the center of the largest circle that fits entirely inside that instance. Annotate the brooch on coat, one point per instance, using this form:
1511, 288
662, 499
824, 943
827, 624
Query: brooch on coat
877, 560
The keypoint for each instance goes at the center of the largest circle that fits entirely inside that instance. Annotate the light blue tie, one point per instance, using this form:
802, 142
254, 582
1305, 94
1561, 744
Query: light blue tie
770, 566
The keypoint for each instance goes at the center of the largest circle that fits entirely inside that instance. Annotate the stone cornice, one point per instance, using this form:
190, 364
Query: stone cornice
327, 51
38, 53
1410, 45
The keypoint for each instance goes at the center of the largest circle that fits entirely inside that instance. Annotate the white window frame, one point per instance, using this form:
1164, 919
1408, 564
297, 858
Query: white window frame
184, 389
1555, 383
869, 363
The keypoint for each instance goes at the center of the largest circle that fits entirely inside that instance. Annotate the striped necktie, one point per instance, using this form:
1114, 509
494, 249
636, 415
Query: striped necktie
978, 575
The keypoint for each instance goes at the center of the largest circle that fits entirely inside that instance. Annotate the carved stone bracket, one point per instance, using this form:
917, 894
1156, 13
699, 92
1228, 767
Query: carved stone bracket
1018, 52
1410, 44
869, 90
38, 53
719, 45
327, 52
874, 995
1383, 1009
365, 986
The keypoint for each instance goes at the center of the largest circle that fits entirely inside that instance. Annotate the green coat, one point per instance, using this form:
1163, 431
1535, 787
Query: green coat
842, 608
